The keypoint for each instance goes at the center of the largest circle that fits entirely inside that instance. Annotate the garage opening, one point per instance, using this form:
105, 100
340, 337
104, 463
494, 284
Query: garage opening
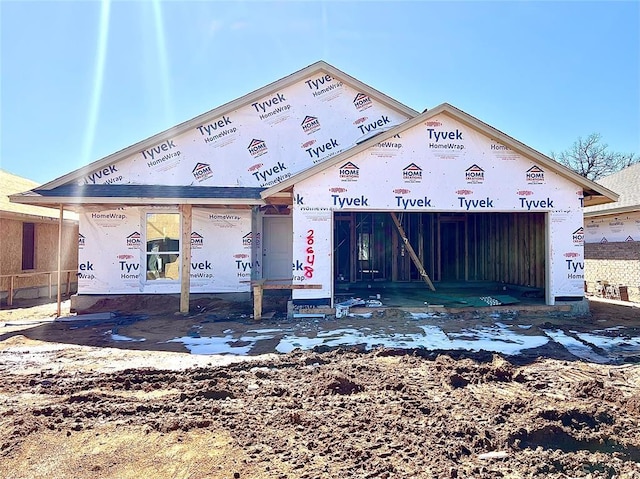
455, 249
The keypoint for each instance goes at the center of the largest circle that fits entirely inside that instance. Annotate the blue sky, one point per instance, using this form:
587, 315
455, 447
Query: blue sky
84, 79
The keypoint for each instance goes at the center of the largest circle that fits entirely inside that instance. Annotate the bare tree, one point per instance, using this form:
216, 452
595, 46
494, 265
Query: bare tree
590, 158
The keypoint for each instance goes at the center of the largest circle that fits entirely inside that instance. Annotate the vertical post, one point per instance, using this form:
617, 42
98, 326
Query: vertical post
11, 287
58, 309
257, 300
185, 279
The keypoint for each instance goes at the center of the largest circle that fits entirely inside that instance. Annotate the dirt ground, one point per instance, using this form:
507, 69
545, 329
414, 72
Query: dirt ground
82, 411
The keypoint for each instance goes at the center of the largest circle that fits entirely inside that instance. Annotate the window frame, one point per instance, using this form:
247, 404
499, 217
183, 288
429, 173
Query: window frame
159, 257
28, 257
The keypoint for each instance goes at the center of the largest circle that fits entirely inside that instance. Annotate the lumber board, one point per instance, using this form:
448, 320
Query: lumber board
412, 253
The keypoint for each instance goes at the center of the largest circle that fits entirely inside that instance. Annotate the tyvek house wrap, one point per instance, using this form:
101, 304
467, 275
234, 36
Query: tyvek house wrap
258, 144
262, 143
438, 165
623, 227
113, 256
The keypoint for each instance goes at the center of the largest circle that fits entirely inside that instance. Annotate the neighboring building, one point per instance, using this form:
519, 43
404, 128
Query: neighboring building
612, 239
297, 181
29, 244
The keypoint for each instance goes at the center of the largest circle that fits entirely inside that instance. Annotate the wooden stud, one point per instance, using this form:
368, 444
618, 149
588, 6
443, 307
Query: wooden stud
412, 253
185, 254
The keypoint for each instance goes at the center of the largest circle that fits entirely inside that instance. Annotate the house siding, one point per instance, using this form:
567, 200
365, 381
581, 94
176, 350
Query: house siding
46, 248
615, 263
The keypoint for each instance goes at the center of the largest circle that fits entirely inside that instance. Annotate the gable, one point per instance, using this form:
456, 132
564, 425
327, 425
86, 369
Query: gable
440, 164
448, 136
257, 140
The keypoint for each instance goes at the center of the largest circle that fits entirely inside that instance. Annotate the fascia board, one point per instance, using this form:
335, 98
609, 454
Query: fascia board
240, 102
39, 218
358, 85
77, 201
309, 172
465, 118
612, 211
529, 152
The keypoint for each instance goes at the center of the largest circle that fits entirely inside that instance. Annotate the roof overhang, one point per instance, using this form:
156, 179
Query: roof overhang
611, 211
594, 194
79, 196
313, 69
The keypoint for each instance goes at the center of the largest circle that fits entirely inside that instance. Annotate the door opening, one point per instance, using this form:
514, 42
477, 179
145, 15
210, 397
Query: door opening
277, 249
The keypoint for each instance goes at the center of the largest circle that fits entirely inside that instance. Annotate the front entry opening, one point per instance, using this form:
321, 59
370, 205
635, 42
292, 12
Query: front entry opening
277, 247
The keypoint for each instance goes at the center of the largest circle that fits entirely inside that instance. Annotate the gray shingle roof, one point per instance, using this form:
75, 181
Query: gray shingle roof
627, 184
74, 195
152, 191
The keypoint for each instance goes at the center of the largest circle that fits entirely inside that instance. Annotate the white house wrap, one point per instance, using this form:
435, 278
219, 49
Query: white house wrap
299, 181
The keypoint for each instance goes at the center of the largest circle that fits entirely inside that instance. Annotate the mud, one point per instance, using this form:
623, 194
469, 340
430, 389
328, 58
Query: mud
346, 412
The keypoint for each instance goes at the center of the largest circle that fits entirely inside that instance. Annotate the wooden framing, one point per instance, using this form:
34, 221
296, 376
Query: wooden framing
49, 274
259, 286
412, 253
185, 254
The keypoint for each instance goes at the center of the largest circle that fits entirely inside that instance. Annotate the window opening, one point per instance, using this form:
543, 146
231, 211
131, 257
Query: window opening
28, 246
163, 246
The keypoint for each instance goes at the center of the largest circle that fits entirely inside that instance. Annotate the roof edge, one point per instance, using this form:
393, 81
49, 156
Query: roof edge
611, 211
465, 118
226, 108
50, 202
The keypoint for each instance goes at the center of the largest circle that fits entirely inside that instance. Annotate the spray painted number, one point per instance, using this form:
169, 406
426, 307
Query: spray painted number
311, 256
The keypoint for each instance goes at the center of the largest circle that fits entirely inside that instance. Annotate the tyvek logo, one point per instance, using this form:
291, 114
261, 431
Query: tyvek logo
243, 266
81, 240
257, 148
578, 236
310, 124
349, 172
535, 175
362, 102
246, 240
474, 174
575, 269
197, 240
134, 241
202, 171
412, 173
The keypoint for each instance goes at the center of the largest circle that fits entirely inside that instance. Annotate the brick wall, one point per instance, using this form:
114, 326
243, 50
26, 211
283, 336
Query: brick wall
615, 263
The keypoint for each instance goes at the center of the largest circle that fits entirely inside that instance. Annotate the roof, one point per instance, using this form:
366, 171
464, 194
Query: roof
11, 184
594, 193
248, 99
142, 194
626, 183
